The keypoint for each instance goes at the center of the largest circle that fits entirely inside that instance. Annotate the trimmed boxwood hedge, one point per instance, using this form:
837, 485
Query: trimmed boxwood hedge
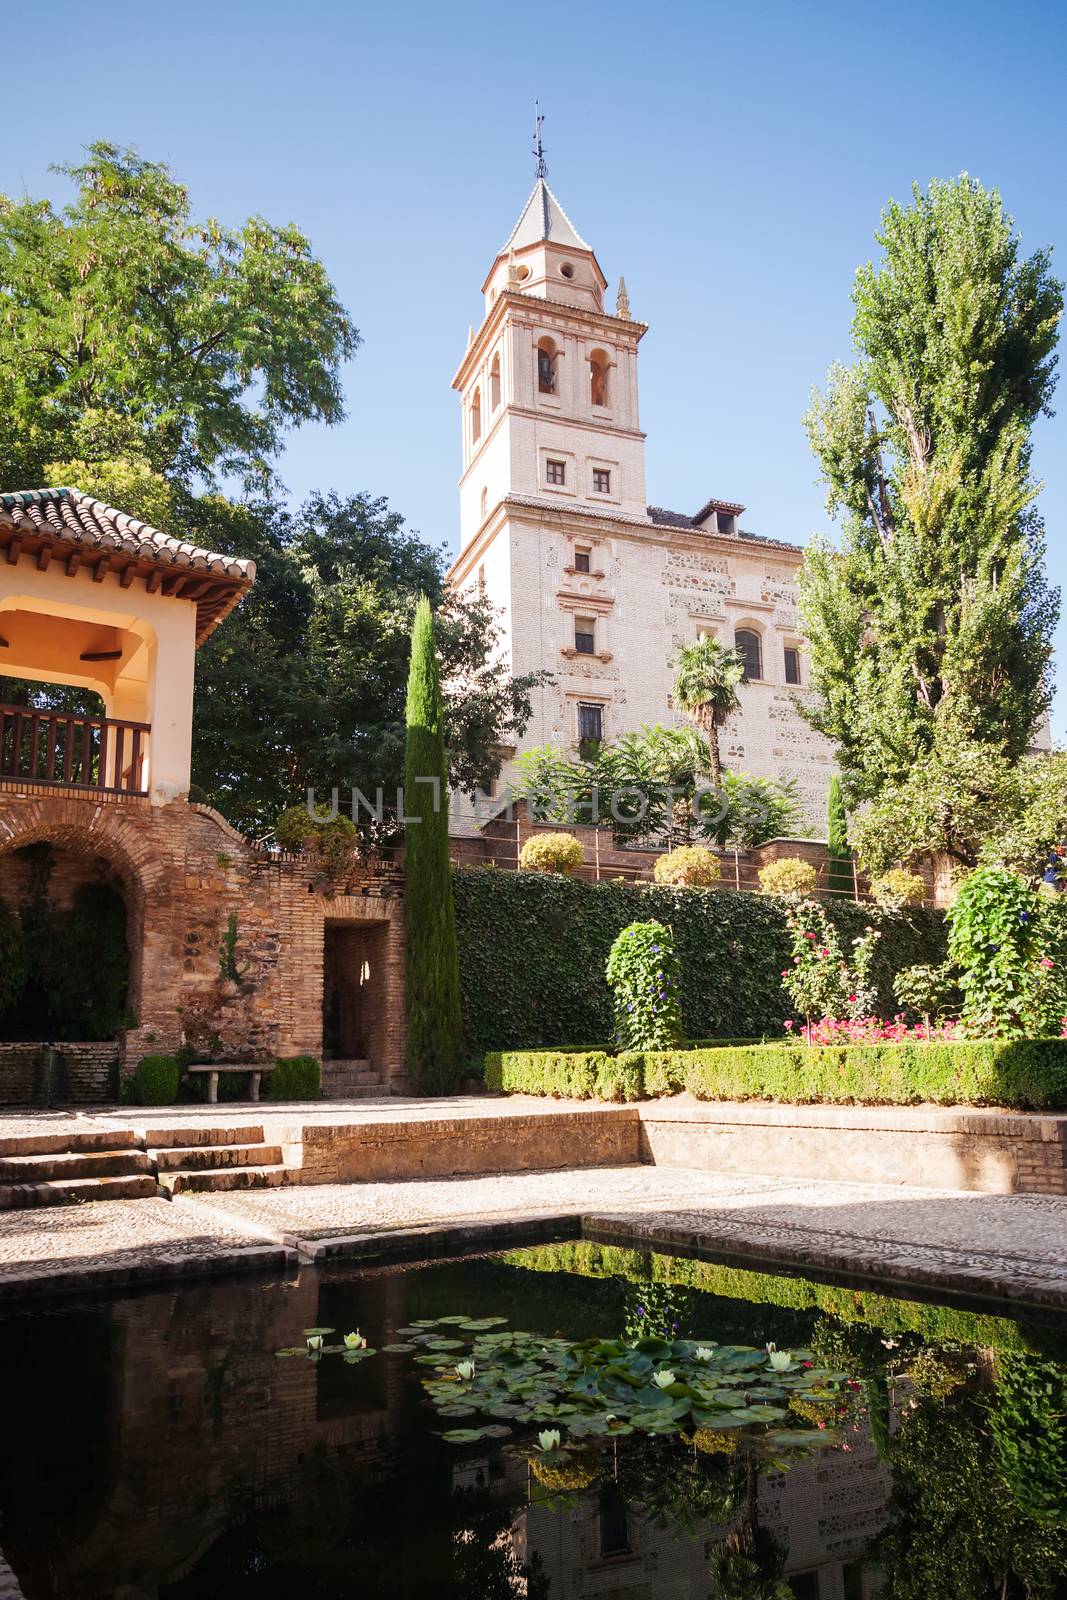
295, 1078
533, 947
1027, 1074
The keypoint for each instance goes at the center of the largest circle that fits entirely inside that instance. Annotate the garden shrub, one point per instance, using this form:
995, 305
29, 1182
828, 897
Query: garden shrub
1027, 1074
645, 978
691, 866
331, 840
551, 852
788, 876
153, 1083
993, 940
533, 949
898, 887
821, 982
295, 1078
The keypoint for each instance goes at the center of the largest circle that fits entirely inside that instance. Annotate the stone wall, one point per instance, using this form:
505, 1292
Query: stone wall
83, 1073
943, 1147
183, 870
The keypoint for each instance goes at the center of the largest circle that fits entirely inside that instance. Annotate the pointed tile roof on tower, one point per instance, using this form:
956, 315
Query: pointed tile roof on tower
544, 218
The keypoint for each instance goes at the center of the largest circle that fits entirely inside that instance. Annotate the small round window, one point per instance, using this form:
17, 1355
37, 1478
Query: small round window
567, 269
522, 274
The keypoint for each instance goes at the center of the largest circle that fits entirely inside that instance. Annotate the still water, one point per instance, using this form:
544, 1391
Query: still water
158, 1447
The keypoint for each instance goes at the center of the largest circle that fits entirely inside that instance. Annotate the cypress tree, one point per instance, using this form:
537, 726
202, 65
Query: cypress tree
433, 1013
839, 855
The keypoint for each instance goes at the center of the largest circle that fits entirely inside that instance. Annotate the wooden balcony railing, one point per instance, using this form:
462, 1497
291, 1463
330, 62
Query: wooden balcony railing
75, 752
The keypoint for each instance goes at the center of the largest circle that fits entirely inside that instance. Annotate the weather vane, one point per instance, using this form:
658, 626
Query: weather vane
538, 150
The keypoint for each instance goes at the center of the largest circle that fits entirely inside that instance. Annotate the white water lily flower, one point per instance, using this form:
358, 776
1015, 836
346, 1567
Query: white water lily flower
549, 1438
779, 1359
703, 1353
663, 1379
355, 1341
465, 1370
314, 1341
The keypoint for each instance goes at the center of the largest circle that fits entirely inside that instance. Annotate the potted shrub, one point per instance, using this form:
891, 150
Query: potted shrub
332, 841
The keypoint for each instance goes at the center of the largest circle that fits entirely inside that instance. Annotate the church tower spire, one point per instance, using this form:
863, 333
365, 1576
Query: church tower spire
549, 381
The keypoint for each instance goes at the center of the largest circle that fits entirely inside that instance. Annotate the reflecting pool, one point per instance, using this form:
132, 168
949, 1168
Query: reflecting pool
560, 1422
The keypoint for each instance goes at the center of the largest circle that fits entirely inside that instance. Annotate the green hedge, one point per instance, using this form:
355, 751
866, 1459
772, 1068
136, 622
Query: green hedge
295, 1078
533, 947
1029, 1074
153, 1083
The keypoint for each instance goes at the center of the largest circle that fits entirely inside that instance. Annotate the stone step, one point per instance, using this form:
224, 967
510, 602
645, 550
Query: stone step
212, 1182
21, 1196
73, 1164
200, 1158
33, 1144
190, 1138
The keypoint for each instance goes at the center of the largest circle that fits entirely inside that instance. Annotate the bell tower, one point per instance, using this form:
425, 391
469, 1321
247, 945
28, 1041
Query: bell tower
548, 385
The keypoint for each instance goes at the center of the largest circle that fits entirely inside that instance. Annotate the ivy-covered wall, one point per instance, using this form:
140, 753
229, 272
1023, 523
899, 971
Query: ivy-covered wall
533, 947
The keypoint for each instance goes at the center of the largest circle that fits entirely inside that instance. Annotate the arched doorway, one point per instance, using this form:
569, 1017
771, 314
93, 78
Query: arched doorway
64, 938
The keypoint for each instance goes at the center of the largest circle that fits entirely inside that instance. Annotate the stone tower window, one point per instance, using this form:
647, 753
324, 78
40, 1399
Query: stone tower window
546, 366
476, 416
494, 383
556, 471
747, 645
581, 560
792, 664
598, 378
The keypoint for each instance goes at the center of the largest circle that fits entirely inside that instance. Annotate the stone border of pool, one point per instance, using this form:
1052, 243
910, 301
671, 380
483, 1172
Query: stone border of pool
1011, 1251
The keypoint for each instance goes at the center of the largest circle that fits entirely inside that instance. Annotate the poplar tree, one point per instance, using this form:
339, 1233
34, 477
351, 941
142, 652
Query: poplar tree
930, 626
434, 1033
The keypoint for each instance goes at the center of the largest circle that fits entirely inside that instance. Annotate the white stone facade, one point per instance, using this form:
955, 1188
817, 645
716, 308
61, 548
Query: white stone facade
591, 583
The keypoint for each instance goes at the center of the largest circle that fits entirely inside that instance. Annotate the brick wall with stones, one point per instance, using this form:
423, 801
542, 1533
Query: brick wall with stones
183, 870
83, 1073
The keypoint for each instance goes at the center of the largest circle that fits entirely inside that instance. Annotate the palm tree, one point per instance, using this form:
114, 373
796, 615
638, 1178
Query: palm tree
706, 679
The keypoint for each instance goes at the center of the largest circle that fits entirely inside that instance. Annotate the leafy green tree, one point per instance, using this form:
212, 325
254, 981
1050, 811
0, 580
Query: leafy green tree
122, 319
305, 684
933, 620
707, 677
434, 1035
839, 876
970, 803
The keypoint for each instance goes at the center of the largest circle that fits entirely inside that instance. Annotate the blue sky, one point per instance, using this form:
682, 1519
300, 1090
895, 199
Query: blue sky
730, 160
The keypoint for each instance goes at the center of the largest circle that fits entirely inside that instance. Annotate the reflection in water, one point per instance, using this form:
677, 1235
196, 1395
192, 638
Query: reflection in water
154, 1448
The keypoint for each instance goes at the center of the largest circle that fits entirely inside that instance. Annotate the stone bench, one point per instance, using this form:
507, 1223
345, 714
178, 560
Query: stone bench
213, 1069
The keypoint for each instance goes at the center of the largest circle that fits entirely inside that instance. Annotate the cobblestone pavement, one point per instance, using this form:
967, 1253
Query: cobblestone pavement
116, 1241
1006, 1246
1002, 1245
386, 1108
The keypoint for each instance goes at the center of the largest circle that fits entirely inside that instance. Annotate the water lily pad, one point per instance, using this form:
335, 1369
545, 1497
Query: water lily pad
311, 1332
426, 1322
445, 1344
463, 1435
479, 1324
457, 1411
453, 1321
400, 1348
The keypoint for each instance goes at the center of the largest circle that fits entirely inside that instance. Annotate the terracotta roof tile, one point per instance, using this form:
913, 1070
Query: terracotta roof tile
70, 518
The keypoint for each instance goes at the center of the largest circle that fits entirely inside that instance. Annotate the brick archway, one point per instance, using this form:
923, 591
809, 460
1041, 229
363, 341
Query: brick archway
102, 831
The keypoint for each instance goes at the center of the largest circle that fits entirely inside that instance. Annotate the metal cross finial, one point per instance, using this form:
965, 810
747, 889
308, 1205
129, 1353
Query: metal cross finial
541, 170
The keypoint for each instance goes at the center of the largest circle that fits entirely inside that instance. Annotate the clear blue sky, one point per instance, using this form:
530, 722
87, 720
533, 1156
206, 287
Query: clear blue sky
730, 160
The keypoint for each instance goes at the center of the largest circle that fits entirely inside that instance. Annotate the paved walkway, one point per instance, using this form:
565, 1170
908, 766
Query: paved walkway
1008, 1247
